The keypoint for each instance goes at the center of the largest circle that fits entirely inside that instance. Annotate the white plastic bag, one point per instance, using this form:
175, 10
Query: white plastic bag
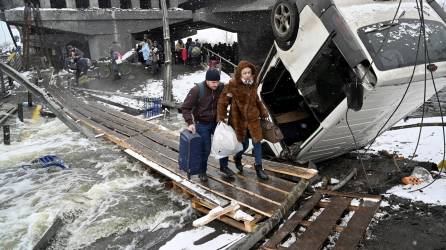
225, 142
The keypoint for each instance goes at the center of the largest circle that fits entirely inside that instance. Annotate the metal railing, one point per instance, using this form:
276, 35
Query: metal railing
210, 52
39, 92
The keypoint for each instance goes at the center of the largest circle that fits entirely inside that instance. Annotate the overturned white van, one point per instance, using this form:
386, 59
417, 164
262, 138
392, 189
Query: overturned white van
335, 60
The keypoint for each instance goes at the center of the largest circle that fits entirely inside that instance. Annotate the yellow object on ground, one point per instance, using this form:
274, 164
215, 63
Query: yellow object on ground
441, 165
83, 79
36, 113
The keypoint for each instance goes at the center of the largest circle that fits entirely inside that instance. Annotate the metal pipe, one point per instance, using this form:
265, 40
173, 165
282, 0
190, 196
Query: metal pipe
224, 59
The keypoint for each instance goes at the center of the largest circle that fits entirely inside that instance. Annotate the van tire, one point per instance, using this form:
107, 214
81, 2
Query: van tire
285, 23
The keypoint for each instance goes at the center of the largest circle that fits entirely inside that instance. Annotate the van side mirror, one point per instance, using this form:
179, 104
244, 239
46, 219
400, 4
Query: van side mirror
355, 95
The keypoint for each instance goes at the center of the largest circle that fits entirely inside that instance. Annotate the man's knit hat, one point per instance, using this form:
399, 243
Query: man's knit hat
212, 75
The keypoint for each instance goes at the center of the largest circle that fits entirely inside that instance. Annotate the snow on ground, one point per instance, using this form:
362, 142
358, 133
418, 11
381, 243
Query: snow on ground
154, 88
188, 240
213, 36
433, 194
430, 149
403, 141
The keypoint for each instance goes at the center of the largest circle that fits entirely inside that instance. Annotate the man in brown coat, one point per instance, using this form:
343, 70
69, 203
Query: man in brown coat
245, 113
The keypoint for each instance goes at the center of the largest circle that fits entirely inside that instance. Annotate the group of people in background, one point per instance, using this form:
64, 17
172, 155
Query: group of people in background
193, 53
76, 61
189, 53
151, 54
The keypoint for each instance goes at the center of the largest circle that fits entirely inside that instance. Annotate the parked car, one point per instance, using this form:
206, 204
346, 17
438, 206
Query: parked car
331, 56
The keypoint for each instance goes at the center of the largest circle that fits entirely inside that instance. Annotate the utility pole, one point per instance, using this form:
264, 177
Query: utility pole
167, 85
12, 35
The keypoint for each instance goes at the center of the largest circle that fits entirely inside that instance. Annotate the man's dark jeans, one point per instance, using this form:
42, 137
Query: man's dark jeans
206, 130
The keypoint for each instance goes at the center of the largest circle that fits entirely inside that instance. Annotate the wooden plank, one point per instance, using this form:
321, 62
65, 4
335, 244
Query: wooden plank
161, 139
109, 124
239, 215
250, 201
214, 214
225, 219
248, 173
245, 185
290, 116
117, 119
107, 117
357, 226
315, 236
273, 182
175, 177
293, 222
326, 204
351, 195
305, 173
129, 119
307, 223
110, 134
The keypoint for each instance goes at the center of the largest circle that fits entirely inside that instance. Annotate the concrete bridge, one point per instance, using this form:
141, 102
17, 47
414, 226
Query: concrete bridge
93, 25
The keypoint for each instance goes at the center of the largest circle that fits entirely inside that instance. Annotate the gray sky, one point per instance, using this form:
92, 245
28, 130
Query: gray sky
5, 38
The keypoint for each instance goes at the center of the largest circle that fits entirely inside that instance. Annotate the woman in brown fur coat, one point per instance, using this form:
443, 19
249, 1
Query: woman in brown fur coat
245, 113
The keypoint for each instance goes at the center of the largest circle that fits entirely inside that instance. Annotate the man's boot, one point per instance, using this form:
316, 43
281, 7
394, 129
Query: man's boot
260, 172
227, 171
203, 177
238, 164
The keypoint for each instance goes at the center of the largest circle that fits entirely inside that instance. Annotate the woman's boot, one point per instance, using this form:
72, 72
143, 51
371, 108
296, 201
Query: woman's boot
260, 172
238, 164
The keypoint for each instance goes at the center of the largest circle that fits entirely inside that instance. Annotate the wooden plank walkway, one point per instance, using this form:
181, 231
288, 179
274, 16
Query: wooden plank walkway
260, 199
345, 221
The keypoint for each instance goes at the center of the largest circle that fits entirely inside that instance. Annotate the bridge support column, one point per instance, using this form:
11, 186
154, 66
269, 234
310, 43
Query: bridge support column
20, 111
6, 135
136, 4
71, 4
30, 99
155, 4
115, 4
99, 44
94, 4
45, 4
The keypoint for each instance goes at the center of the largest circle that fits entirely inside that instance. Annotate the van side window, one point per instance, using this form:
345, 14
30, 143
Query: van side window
322, 85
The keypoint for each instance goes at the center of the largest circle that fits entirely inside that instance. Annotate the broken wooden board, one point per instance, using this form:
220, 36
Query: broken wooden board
215, 213
301, 172
339, 218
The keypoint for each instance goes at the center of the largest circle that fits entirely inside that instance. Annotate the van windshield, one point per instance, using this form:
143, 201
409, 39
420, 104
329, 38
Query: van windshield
401, 46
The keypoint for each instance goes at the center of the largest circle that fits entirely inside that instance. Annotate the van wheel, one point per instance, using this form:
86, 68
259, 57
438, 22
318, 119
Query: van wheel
285, 23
